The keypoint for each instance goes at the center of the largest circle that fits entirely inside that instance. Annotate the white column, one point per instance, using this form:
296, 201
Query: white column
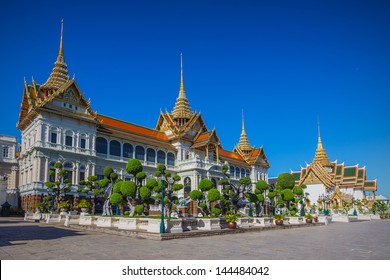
77, 171
46, 169
39, 169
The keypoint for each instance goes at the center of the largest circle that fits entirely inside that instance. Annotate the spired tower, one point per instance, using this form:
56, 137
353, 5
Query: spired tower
243, 143
182, 111
59, 75
320, 156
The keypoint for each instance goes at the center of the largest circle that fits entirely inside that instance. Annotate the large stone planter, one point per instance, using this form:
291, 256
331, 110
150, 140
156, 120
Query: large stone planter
143, 223
324, 219
296, 220
189, 224
174, 226
127, 223
363, 217
375, 217
209, 224
243, 222
171, 226
55, 218
72, 220
341, 218
262, 221
85, 220
104, 222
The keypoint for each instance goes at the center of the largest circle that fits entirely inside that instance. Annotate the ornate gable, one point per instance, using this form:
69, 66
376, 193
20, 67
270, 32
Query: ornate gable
316, 174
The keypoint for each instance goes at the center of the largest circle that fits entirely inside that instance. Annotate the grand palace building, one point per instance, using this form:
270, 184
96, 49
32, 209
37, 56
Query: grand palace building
58, 124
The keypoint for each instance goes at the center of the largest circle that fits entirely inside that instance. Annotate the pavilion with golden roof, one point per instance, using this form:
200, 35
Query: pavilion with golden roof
335, 181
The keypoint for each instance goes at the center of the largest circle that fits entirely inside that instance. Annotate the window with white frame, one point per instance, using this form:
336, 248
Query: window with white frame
5, 152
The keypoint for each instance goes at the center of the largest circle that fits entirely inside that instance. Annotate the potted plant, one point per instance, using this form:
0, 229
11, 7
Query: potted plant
64, 205
231, 221
309, 218
278, 219
84, 205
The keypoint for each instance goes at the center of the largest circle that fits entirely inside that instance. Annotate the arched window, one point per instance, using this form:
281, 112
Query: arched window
52, 172
83, 141
242, 172
161, 157
82, 172
150, 155
187, 187
139, 153
214, 182
68, 167
115, 148
101, 145
248, 173
171, 159
231, 169
127, 150
69, 138
53, 135
237, 172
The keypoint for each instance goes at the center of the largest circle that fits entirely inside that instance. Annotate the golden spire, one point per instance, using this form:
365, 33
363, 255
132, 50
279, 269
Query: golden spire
320, 155
182, 92
60, 57
243, 143
182, 109
59, 75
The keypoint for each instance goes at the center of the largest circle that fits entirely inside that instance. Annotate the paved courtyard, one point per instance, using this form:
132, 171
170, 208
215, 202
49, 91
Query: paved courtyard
366, 240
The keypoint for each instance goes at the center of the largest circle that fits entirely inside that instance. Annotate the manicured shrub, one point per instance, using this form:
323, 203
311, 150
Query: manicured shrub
144, 192
128, 188
151, 183
205, 185
139, 209
285, 181
262, 185
133, 166
298, 190
196, 195
216, 211
213, 195
116, 199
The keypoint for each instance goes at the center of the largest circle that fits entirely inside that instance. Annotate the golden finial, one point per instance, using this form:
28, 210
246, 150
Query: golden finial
182, 91
243, 125
61, 52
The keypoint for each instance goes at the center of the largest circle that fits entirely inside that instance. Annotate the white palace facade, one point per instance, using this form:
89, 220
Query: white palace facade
57, 123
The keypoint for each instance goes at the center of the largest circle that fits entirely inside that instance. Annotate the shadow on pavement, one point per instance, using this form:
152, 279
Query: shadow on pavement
24, 232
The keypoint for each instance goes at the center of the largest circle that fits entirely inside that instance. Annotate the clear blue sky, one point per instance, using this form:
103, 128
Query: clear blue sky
284, 63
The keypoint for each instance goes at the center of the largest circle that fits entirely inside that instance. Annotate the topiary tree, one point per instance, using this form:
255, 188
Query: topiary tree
133, 192
206, 195
59, 185
234, 195
285, 181
110, 178
91, 187
171, 186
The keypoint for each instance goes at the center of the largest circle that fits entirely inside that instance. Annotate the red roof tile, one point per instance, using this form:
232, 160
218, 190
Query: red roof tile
132, 128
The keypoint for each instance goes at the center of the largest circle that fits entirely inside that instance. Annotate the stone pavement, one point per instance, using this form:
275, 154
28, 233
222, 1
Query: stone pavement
365, 240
